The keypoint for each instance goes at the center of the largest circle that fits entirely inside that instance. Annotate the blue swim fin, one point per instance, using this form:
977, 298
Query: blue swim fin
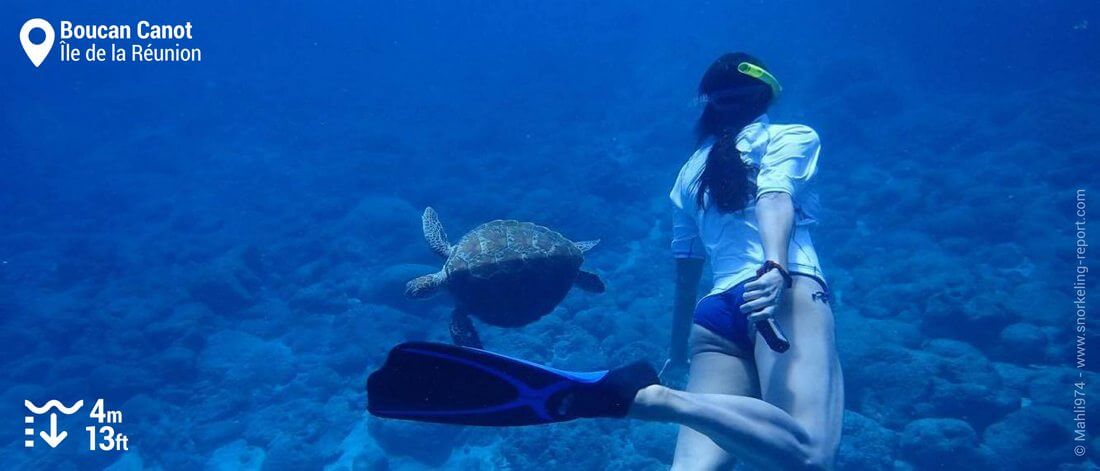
432, 382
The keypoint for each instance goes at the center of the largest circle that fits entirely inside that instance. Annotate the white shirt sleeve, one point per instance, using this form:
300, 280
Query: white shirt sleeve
685, 236
791, 160
685, 231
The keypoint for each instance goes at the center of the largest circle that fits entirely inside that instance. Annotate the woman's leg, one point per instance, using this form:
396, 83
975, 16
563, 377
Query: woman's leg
714, 369
800, 431
806, 381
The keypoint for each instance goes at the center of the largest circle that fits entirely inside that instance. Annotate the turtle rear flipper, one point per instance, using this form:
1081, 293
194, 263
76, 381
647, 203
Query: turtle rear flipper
589, 281
463, 332
434, 234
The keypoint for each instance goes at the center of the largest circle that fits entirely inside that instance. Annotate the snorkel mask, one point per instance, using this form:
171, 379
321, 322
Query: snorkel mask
731, 97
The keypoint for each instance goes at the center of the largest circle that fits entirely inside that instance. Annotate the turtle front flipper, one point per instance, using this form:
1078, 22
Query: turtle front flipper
434, 234
463, 332
589, 281
425, 286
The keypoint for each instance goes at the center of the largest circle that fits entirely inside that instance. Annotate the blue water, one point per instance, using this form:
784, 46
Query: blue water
218, 248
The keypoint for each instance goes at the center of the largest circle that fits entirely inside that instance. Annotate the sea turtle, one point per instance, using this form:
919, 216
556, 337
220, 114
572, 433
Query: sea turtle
506, 273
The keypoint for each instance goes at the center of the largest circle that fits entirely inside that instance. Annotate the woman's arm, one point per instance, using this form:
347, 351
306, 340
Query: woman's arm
783, 172
688, 273
688, 251
775, 220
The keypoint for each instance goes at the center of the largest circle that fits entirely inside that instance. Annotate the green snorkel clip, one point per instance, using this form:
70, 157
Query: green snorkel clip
757, 72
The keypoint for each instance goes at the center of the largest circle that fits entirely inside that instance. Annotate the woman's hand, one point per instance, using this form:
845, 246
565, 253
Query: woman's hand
763, 295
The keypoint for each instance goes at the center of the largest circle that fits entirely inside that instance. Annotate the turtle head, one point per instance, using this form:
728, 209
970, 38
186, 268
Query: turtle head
425, 286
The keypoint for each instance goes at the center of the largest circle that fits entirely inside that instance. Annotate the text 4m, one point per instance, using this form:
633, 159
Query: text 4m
104, 438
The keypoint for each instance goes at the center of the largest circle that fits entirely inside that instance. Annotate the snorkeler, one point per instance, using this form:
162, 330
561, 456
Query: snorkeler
742, 201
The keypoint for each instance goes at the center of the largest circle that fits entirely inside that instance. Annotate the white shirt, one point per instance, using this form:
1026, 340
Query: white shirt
785, 159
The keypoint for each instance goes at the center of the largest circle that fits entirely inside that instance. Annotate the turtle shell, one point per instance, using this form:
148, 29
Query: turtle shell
511, 273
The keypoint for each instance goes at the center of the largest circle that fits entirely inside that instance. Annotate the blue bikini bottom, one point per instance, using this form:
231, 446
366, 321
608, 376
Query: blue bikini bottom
721, 312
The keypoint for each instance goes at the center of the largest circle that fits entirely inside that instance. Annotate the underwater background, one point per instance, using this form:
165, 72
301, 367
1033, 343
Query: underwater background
219, 248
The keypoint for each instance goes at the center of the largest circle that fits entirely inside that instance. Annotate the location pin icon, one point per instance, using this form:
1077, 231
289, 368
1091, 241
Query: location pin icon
36, 52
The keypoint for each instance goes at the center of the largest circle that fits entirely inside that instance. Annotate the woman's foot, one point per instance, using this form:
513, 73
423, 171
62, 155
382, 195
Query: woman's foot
651, 403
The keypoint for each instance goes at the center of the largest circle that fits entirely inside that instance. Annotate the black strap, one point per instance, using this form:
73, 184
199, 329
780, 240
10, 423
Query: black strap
788, 281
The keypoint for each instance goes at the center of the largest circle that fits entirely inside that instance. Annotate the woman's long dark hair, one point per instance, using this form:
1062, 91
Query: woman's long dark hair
725, 177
